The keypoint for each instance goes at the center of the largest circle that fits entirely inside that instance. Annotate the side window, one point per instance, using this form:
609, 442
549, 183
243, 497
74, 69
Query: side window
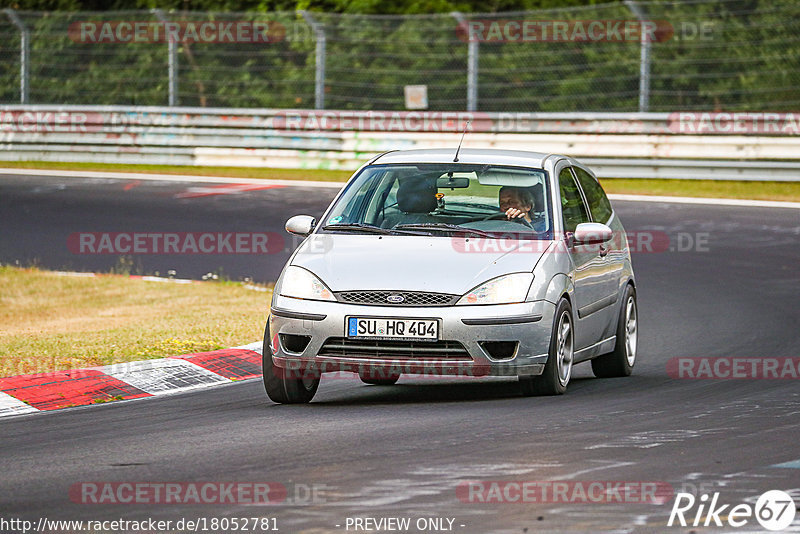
359, 200
387, 196
595, 196
572, 205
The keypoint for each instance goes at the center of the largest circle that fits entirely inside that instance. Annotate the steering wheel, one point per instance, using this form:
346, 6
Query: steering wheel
502, 215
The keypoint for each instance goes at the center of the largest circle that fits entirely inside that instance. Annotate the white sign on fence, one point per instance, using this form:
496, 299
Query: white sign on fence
416, 96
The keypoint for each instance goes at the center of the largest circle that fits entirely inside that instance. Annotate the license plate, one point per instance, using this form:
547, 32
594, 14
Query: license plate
387, 328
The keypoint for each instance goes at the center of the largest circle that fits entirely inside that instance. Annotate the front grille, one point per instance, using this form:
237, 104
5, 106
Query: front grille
409, 298
343, 347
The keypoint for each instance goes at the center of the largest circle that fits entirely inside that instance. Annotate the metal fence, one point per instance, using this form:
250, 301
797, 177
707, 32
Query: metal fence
683, 145
632, 56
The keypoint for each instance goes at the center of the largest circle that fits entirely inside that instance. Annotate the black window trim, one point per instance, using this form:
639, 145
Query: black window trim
583, 194
568, 167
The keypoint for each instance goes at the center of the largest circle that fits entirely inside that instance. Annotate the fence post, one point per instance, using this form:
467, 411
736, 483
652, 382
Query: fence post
319, 61
644, 58
172, 51
472, 64
24, 54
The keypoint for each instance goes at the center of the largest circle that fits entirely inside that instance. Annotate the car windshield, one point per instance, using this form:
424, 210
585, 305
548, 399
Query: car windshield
445, 199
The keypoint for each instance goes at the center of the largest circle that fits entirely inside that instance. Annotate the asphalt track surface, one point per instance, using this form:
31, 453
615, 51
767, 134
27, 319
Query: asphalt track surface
401, 451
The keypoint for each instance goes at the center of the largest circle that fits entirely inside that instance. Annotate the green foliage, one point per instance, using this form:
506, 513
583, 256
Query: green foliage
338, 6
724, 55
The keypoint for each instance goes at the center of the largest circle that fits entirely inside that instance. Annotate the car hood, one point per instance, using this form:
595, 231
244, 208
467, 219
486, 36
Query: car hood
413, 263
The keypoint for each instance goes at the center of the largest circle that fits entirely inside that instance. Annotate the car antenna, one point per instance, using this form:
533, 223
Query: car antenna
455, 159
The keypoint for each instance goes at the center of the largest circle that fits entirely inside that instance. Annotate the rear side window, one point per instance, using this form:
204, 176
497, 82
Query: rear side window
572, 205
595, 196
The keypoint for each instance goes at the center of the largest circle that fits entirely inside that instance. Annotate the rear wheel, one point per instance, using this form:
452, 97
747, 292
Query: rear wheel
620, 362
558, 369
282, 388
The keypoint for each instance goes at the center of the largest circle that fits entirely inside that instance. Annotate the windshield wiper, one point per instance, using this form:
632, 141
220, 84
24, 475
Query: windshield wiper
443, 227
369, 228
358, 227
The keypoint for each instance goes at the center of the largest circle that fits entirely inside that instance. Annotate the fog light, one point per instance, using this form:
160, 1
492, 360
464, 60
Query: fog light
500, 350
294, 343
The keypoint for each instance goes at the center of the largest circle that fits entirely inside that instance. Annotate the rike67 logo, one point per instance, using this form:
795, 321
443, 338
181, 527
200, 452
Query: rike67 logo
774, 510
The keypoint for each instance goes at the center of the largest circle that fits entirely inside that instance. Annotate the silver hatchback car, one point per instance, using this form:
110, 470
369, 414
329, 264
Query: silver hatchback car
437, 263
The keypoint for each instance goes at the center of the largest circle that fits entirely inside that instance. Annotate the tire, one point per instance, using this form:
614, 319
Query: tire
388, 381
558, 369
279, 387
620, 362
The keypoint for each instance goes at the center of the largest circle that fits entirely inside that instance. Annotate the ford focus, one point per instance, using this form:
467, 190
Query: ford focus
435, 262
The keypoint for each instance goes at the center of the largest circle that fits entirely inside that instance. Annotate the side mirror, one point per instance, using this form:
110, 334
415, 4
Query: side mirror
301, 225
592, 233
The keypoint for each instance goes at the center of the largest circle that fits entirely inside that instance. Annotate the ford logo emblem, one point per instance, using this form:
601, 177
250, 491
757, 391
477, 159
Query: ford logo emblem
395, 299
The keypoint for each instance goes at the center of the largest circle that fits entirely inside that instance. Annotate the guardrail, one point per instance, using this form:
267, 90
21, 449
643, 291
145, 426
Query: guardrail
745, 146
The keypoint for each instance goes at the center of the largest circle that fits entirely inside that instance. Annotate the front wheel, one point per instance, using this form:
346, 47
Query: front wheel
558, 369
280, 386
620, 362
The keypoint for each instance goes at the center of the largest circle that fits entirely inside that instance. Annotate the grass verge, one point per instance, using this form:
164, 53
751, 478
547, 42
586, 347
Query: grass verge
322, 175
53, 322
786, 191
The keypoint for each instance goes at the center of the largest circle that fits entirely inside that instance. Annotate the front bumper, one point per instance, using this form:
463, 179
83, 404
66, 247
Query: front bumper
322, 325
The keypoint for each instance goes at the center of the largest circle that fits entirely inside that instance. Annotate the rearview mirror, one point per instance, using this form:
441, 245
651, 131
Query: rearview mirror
301, 225
450, 182
592, 233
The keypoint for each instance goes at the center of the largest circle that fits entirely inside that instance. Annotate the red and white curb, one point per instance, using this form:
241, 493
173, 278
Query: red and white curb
81, 387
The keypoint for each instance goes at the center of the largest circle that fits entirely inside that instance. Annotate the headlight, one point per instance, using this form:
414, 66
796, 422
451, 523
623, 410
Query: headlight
301, 284
506, 289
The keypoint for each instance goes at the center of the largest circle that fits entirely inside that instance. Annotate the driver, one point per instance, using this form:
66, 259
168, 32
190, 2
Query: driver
516, 202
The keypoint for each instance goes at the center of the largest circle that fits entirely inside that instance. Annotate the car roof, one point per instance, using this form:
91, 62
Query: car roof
491, 156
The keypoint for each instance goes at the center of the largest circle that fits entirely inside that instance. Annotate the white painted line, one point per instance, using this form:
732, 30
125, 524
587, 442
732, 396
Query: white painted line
257, 288
795, 464
171, 178
168, 280
164, 376
715, 201
78, 274
11, 406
